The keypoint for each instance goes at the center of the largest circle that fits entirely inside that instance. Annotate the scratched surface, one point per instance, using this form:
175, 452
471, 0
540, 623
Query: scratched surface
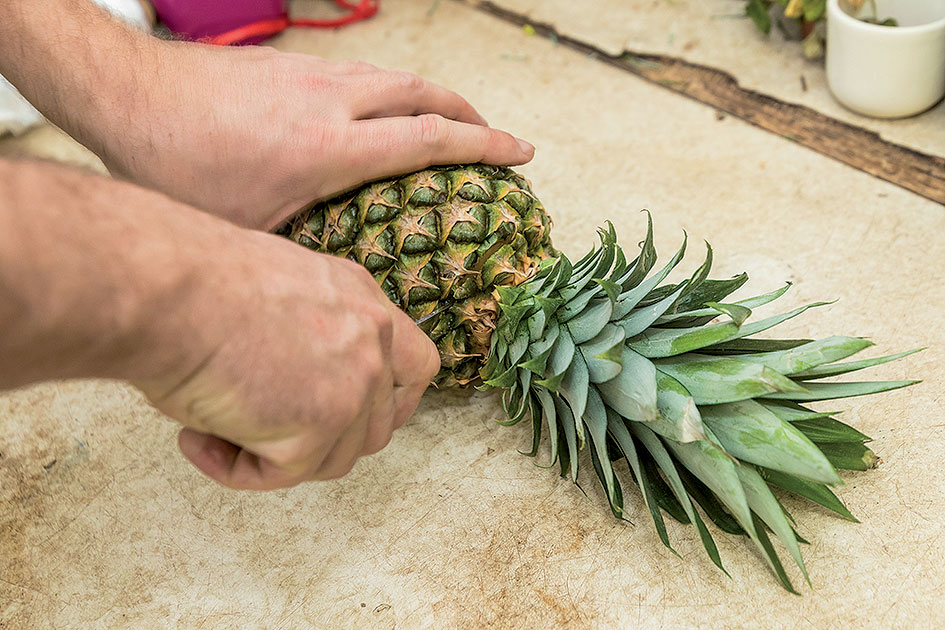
716, 33
103, 525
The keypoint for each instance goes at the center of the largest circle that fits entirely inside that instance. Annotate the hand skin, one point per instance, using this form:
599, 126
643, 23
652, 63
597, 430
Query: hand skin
283, 365
250, 134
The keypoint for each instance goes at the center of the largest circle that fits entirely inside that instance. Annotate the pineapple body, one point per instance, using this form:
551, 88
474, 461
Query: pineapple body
439, 242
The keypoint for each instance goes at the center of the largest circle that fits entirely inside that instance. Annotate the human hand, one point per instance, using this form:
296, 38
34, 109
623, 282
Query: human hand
254, 135
303, 366
249, 134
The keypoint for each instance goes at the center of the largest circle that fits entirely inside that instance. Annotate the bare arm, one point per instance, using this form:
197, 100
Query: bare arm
92, 272
277, 361
76, 64
249, 133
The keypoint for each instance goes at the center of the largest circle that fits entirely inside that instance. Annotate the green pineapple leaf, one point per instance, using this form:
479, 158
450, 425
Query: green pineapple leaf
848, 455
665, 462
550, 416
838, 369
569, 456
588, 324
679, 418
737, 312
793, 412
816, 492
702, 495
750, 303
644, 481
716, 380
666, 342
603, 354
639, 319
753, 434
764, 505
764, 543
595, 419
830, 391
535, 414
829, 430
711, 291
630, 298
632, 393
810, 354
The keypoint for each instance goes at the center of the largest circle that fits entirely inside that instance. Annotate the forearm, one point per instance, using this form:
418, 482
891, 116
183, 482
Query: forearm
77, 64
89, 289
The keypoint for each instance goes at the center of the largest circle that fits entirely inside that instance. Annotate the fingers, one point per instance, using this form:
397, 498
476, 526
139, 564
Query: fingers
302, 457
325, 441
416, 359
240, 469
380, 424
391, 146
417, 363
388, 94
343, 455
231, 465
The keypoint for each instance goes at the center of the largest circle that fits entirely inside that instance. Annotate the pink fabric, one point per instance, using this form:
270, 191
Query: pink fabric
197, 19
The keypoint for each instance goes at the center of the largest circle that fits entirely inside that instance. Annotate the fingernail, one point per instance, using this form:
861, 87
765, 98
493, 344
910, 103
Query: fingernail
525, 146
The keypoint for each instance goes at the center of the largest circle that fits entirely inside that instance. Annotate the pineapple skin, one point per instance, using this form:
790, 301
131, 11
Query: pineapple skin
439, 242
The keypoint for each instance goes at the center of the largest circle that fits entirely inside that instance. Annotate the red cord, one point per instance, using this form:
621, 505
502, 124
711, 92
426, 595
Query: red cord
360, 11
267, 28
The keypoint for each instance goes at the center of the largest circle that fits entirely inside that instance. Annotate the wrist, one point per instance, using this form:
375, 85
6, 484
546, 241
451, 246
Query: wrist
76, 64
90, 289
109, 111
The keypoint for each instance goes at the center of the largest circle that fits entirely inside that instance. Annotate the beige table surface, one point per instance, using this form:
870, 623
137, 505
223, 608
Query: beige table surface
716, 33
103, 525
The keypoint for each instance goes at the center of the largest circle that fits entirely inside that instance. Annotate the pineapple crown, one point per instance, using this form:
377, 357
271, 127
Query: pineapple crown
671, 378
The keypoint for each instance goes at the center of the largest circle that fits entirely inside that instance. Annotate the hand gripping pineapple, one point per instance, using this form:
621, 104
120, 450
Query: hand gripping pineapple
608, 358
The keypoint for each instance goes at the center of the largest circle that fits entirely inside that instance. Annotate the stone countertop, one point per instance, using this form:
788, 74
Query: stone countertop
104, 525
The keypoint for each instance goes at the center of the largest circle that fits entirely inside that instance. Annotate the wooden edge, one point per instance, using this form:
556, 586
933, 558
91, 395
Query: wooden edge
860, 148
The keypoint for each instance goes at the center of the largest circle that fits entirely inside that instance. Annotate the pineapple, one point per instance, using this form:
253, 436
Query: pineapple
604, 356
439, 242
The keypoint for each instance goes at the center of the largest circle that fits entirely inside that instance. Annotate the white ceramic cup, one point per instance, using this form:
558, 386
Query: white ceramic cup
887, 71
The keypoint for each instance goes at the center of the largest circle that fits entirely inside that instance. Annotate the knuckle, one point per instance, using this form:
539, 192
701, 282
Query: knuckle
410, 81
359, 66
364, 276
318, 81
431, 130
383, 325
289, 455
347, 411
382, 430
371, 366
